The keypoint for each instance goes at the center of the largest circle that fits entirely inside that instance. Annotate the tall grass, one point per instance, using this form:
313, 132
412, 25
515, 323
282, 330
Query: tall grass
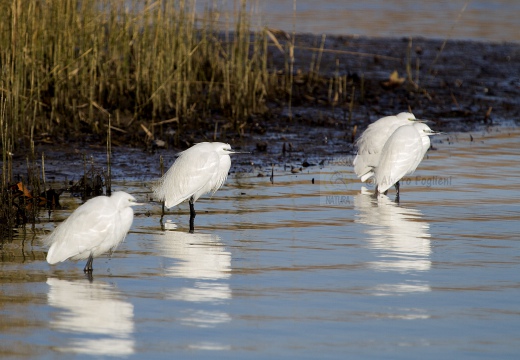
64, 60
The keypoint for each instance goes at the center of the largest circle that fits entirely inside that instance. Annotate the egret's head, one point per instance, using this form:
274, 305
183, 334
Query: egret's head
221, 148
123, 199
424, 129
411, 117
406, 116
226, 148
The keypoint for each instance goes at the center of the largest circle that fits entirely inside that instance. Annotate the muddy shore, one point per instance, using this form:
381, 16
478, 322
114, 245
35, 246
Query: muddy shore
459, 85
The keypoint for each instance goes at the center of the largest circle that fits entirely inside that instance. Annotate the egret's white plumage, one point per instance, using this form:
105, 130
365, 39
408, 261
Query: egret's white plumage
371, 142
96, 227
401, 154
201, 169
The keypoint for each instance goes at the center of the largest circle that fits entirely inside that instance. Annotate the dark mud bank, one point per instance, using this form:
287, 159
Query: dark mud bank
341, 84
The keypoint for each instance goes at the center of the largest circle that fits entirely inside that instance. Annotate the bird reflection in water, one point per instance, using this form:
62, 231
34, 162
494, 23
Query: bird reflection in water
202, 258
102, 323
399, 237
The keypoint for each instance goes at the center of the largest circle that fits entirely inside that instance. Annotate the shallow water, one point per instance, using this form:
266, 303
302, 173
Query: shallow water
481, 20
293, 269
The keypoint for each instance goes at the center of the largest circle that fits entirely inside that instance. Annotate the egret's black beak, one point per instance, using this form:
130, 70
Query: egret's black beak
239, 152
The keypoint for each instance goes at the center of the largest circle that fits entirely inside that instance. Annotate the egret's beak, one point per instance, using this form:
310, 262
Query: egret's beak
238, 152
424, 121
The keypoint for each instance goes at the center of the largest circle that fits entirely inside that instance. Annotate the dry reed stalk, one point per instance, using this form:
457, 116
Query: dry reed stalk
150, 59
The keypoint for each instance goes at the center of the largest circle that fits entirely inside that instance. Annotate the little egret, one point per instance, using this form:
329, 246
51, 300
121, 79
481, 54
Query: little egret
401, 154
97, 226
371, 142
201, 169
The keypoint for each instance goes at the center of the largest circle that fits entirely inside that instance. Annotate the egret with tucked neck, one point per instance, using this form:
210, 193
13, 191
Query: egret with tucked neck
201, 169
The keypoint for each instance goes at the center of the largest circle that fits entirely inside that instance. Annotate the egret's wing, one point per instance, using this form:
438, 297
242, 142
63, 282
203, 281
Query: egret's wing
85, 229
364, 165
371, 143
374, 137
190, 174
398, 157
221, 175
369, 147
425, 132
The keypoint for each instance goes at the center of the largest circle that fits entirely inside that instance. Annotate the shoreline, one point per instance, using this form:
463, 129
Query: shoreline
467, 80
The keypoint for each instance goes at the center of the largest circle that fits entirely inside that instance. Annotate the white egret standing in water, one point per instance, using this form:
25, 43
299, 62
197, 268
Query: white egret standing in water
391, 148
201, 169
402, 153
96, 227
371, 142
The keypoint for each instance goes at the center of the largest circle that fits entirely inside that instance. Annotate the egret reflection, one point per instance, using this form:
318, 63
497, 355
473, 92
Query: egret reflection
95, 312
204, 259
205, 318
200, 256
399, 237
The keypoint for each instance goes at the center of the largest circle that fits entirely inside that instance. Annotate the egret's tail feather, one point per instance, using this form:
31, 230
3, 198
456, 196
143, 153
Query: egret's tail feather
367, 176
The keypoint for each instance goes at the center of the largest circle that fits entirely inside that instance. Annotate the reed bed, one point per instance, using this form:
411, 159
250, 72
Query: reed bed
72, 67
65, 63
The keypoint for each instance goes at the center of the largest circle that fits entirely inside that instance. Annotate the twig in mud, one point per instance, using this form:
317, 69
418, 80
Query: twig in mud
273, 38
351, 105
148, 132
118, 129
166, 121
454, 99
488, 114
44, 182
353, 135
216, 131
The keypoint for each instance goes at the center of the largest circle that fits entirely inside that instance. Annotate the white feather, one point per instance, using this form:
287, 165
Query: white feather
401, 155
371, 142
96, 227
201, 169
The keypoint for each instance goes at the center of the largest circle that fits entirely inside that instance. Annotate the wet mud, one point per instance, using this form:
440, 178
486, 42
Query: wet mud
345, 82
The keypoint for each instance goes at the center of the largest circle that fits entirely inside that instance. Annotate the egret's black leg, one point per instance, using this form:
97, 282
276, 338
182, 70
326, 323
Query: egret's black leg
397, 192
162, 212
88, 266
192, 216
376, 192
89, 276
